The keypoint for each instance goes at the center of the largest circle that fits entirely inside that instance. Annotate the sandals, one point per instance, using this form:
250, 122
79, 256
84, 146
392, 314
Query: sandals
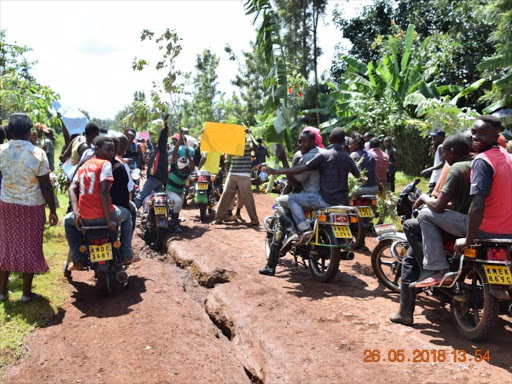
26, 299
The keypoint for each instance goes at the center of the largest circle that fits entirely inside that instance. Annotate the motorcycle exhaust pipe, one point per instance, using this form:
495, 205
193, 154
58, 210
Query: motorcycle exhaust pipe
122, 276
347, 255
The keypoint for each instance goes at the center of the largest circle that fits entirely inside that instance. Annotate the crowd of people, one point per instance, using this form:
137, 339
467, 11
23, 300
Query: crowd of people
467, 196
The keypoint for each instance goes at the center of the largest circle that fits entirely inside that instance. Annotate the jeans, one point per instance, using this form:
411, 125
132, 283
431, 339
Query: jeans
152, 184
432, 226
119, 215
300, 201
281, 205
177, 199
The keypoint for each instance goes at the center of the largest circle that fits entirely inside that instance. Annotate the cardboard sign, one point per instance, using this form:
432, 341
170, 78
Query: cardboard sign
74, 120
223, 138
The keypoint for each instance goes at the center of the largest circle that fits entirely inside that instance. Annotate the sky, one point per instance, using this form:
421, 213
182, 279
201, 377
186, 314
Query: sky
85, 49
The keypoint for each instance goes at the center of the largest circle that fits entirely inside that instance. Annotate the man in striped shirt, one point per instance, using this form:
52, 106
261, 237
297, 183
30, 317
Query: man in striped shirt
239, 178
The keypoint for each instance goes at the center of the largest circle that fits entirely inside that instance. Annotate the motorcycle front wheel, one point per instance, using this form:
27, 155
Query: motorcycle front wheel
385, 266
324, 259
202, 211
475, 310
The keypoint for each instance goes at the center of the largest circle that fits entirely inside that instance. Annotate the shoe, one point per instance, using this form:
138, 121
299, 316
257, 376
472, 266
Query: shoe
231, 219
270, 268
305, 237
239, 218
65, 271
434, 281
127, 261
253, 223
425, 274
217, 222
26, 299
136, 259
407, 304
75, 266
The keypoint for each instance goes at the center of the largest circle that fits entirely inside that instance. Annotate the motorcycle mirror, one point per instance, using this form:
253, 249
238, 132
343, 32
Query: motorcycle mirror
416, 182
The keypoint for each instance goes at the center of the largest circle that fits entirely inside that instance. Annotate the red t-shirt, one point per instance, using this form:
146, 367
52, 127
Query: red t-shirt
89, 176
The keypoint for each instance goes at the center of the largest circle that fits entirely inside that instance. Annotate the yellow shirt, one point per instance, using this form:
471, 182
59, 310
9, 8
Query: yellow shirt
20, 164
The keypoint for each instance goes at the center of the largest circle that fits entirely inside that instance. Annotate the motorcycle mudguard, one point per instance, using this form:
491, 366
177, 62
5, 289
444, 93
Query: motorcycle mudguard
366, 223
161, 221
393, 236
201, 198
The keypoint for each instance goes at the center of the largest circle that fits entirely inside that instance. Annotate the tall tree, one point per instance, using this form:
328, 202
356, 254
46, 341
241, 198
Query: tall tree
459, 34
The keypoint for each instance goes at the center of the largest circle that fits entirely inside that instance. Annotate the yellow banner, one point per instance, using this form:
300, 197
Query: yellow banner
223, 138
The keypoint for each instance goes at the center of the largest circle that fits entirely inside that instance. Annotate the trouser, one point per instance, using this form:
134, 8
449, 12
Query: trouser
365, 191
133, 211
300, 201
152, 184
176, 199
390, 178
243, 185
281, 205
119, 215
413, 258
239, 204
432, 226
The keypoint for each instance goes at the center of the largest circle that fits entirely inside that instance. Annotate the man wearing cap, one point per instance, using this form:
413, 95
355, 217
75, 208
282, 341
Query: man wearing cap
157, 167
437, 148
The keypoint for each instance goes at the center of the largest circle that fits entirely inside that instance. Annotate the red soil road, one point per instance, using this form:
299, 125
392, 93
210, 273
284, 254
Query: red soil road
285, 329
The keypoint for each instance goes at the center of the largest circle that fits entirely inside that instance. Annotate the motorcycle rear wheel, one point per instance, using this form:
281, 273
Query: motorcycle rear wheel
202, 211
382, 257
477, 314
104, 283
358, 239
318, 256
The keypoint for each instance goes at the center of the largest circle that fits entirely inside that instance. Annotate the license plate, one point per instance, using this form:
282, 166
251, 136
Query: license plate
100, 252
498, 274
160, 210
342, 231
384, 228
365, 212
202, 186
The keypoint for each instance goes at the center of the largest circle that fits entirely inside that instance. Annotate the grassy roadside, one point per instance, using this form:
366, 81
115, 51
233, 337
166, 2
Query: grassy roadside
19, 319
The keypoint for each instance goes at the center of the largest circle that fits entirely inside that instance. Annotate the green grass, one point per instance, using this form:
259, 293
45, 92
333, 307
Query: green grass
401, 180
19, 319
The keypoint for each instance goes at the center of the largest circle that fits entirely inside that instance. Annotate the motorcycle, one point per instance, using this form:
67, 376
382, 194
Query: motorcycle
156, 220
205, 192
136, 176
366, 207
481, 277
329, 243
100, 247
387, 256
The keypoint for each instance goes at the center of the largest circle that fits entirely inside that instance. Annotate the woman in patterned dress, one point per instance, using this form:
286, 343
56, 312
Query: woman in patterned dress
25, 189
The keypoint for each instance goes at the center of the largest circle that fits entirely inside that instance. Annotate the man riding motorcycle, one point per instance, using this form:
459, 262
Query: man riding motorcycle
436, 218
180, 170
157, 167
309, 180
456, 192
491, 183
93, 206
334, 166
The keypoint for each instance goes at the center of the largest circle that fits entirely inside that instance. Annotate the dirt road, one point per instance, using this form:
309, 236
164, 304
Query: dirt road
236, 326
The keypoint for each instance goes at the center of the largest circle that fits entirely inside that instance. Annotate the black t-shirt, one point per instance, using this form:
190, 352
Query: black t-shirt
119, 190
